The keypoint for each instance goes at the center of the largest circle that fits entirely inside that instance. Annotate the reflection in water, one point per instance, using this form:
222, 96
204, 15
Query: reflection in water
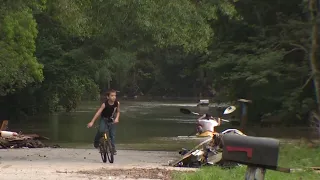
55, 127
139, 122
203, 109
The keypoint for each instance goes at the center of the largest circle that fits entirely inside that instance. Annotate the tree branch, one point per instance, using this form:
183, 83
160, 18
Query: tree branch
276, 46
300, 47
295, 49
307, 82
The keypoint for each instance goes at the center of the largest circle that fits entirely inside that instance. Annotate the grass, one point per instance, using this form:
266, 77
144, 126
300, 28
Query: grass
293, 155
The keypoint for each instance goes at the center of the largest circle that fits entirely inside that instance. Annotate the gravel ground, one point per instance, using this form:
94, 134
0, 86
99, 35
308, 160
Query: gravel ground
78, 164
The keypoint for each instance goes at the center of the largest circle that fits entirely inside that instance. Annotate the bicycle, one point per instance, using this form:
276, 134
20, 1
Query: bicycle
105, 146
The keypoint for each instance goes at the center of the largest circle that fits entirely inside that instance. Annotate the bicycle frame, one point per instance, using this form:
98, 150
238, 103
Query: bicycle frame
106, 145
106, 130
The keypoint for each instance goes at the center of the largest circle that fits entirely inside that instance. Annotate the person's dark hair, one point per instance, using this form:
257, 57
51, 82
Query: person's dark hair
111, 91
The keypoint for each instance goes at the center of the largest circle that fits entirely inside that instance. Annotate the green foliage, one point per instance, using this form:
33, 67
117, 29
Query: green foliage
263, 57
64, 51
175, 23
19, 66
71, 15
72, 90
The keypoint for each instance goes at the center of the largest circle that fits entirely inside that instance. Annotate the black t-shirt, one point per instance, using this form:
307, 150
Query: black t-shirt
109, 111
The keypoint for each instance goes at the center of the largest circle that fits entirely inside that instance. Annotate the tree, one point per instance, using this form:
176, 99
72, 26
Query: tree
19, 66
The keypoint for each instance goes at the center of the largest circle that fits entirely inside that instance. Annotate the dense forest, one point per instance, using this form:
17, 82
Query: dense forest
55, 53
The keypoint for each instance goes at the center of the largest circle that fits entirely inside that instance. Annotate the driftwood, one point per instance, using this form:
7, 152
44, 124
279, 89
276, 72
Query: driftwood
4, 125
24, 141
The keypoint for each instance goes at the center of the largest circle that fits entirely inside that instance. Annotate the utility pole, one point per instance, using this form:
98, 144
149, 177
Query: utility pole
244, 113
314, 12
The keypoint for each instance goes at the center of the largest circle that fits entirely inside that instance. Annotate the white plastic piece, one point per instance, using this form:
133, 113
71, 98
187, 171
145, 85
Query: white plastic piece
229, 110
233, 131
7, 134
197, 153
204, 101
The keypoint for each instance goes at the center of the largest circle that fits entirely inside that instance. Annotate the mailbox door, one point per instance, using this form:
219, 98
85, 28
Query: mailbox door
251, 150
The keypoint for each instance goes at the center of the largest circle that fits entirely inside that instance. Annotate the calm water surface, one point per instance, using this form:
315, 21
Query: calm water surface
139, 122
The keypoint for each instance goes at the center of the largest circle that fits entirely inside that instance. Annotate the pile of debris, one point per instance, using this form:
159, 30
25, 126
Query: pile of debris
21, 141
12, 140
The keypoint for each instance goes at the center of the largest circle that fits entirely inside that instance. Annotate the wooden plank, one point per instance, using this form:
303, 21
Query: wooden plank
285, 170
189, 153
4, 125
316, 169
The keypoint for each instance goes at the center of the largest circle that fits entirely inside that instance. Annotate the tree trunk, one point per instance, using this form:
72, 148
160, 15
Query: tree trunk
314, 10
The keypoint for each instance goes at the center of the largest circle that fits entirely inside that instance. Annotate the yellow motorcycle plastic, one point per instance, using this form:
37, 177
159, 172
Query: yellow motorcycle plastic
205, 134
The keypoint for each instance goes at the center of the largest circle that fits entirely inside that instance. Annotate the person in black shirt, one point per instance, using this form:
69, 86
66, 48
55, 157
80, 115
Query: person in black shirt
109, 112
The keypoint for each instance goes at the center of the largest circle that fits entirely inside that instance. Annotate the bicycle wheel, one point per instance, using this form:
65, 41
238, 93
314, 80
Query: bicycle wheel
109, 148
103, 152
109, 151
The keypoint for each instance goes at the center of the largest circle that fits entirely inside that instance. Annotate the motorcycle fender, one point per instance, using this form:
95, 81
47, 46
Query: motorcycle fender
197, 153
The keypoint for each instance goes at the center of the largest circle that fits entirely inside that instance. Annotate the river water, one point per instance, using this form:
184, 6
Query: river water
139, 122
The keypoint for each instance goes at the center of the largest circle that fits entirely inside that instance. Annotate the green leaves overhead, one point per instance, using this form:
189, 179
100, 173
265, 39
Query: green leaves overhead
213, 9
164, 22
19, 66
175, 23
115, 67
72, 14
237, 48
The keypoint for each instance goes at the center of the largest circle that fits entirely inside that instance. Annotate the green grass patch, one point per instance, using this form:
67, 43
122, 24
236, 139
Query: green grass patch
296, 155
238, 174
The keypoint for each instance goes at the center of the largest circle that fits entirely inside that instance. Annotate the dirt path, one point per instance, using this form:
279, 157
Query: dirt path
74, 164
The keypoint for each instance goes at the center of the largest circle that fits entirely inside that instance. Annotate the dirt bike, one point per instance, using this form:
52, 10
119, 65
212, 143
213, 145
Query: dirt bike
228, 110
208, 152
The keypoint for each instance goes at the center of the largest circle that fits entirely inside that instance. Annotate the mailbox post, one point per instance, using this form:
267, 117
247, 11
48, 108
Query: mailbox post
258, 153
244, 113
255, 173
